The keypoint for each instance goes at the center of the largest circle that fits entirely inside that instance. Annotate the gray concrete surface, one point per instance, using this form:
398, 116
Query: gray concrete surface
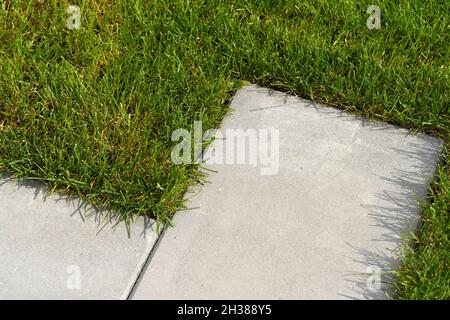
47, 251
327, 225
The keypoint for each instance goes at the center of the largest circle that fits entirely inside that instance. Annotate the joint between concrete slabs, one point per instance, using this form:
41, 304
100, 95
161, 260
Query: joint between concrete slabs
43, 235
128, 294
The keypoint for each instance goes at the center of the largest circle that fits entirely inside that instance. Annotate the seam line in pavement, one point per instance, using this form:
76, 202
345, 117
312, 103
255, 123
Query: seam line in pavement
128, 294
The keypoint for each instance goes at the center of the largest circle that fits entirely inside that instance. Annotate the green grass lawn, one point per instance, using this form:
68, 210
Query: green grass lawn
90, 111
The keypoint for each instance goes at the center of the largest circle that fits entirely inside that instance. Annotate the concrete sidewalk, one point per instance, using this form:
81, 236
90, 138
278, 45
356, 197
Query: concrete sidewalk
326, 225
319, 216
47, 251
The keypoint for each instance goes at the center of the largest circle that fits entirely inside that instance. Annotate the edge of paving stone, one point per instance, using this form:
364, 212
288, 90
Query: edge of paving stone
345, 113
140, 268
198, 187
129, 293
439, 143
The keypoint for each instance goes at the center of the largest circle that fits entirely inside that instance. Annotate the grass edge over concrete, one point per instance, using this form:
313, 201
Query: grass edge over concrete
90, 111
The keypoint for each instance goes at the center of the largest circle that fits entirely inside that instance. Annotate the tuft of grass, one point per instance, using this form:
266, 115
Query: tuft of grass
91, 111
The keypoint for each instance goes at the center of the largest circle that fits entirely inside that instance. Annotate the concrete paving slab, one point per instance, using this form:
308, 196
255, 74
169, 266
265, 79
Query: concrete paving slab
47, 251
326, 225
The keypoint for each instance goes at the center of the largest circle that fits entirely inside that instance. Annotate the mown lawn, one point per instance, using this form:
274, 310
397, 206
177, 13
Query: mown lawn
90, 111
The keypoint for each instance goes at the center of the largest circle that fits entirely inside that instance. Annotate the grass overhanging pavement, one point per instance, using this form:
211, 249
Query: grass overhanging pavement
90, 111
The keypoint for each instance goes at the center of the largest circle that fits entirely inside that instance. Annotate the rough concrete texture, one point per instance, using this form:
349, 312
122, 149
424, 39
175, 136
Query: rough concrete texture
327, 225
47, 251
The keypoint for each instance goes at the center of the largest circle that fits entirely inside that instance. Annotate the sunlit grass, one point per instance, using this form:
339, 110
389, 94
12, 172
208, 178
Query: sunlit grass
91, 111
